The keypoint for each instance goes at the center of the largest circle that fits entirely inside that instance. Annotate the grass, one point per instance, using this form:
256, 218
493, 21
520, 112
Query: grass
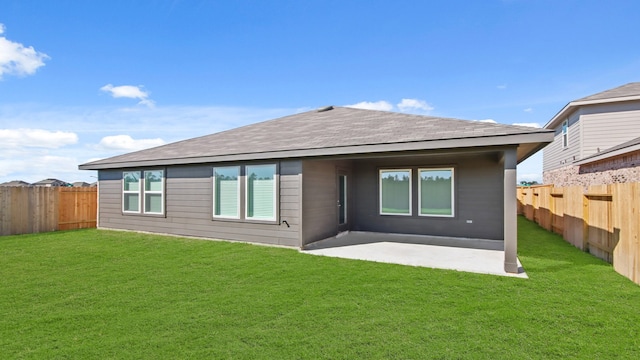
101, 294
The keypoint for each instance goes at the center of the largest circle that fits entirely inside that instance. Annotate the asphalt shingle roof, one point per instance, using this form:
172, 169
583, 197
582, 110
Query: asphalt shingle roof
630, 89
15, 183
51, 182
338, 127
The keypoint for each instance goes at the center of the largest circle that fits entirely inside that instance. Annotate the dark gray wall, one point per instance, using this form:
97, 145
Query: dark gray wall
320, 198
310, 187
189, 206
478, 197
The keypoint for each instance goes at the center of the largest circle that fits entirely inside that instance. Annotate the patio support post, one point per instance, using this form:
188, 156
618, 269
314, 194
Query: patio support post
510, 210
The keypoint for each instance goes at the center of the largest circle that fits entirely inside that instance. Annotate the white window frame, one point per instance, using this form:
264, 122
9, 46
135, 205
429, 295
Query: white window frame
152, 192
564, 131
380, 208
239, 169
141, 192
453, 196
125, 192
275, 193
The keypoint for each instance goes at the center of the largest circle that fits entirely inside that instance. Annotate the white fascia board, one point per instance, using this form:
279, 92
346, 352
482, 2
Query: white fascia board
567, 109
514, 139
607, 155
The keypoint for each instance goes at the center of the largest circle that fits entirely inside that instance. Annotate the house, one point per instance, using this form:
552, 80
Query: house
81, 184
50, 183
15, 183
309, 176
596, 141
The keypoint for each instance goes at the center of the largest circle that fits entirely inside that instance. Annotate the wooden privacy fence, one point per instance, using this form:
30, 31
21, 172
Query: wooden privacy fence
602, 220
35, 209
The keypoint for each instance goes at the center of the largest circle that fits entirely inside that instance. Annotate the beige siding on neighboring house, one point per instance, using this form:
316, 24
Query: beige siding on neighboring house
554, 155
605, 126
593, 128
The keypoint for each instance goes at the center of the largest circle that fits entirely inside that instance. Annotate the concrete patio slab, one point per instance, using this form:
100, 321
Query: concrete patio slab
470, 255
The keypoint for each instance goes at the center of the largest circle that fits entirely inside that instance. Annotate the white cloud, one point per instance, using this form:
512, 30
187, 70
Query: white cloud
377, 105
92, 124
531, 169
34, 164
528, 110
405, 105
129, 91
530, 177
16, 59
487, 121
126, 142
533, 125
414, 104
502, 86
10, 138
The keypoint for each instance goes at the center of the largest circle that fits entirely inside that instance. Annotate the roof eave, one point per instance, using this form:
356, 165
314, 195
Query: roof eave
568, 109
610, 154
515, 139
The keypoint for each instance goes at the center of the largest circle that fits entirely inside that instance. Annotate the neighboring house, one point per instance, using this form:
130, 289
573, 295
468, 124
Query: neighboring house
80, 184
15, 183
51, 182
306, 177
597, 140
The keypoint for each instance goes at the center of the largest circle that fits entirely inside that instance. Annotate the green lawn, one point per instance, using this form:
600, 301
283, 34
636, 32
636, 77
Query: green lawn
102, 294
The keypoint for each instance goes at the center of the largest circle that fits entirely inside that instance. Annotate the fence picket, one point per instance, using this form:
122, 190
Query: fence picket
34, 209
602, 220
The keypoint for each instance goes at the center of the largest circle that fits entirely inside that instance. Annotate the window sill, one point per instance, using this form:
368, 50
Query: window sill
246, 221
437, 216
124, 213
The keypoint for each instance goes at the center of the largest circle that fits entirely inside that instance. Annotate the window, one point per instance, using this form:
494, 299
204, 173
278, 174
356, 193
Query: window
436, 192
143, 191
154, 192
395, 192
131, 192
261, 192
565, 134
226, 192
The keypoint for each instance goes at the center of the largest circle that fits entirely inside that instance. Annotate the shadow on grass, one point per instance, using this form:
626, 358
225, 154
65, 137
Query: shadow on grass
543, 251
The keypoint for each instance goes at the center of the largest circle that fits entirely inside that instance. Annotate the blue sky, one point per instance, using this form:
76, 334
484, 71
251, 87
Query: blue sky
83, 80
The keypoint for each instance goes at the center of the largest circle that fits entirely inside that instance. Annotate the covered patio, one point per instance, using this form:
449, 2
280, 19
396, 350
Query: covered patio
462, 254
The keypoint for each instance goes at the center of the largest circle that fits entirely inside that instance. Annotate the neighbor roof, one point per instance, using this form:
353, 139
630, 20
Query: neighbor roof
624, 148
51, 182
15, 183
627, 92
333, 131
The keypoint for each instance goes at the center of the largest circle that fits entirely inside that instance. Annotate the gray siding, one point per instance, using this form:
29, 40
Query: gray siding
605, 126
319, 194
478, 197
593, 127
189, 207
554, 156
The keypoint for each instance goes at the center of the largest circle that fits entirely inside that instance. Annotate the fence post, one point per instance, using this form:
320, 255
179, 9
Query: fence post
585, 222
